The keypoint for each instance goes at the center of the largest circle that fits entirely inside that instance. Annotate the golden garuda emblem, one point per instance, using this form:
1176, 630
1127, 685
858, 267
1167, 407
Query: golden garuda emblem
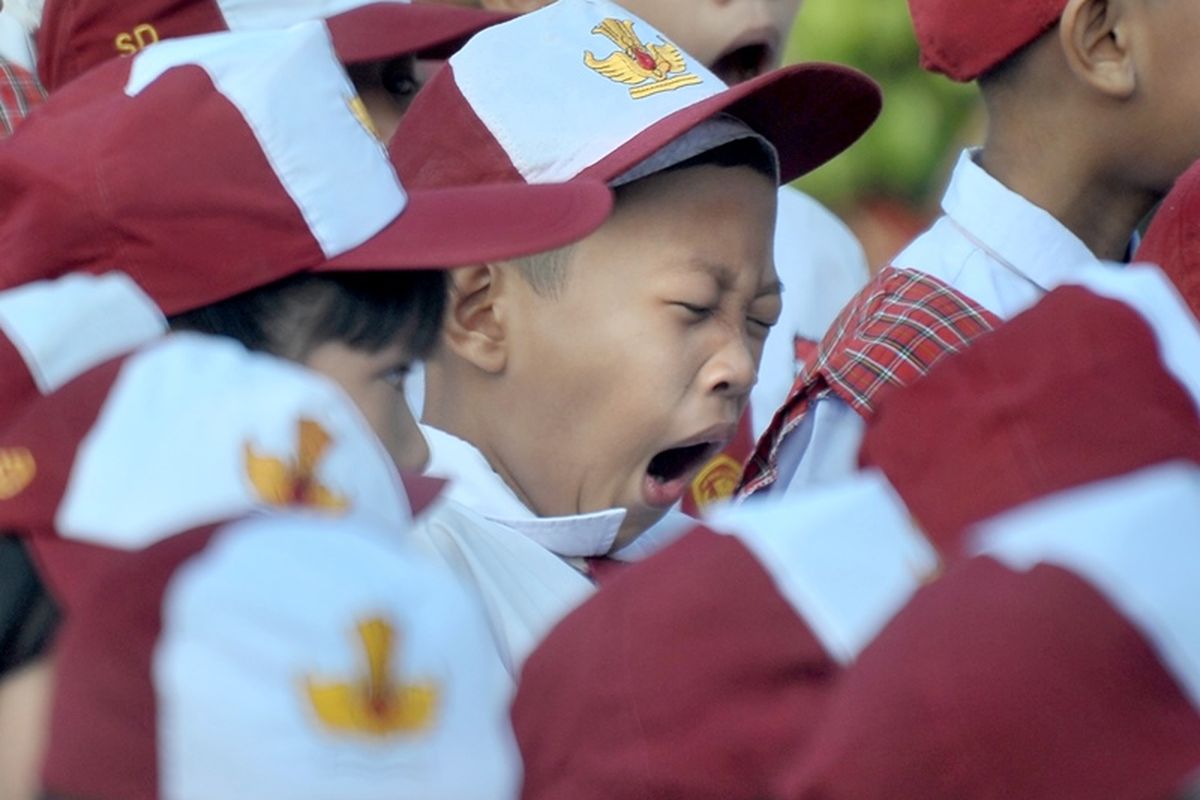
293, 482
375, 704
648, 68
17, 469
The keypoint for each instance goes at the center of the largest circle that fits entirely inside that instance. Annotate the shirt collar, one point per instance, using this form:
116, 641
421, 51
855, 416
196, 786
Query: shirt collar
474, 484
1012, 228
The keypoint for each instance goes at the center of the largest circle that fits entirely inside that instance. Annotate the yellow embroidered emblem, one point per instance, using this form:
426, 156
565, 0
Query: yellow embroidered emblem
375, 704
649, 68
17, 469
716, 482
282, 483
359, 109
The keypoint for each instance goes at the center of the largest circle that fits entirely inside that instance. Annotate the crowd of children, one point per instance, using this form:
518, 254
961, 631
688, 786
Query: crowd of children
241, 239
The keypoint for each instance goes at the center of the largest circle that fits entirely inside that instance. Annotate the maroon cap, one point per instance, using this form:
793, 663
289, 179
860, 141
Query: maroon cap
207, 166
585, 89
667, 683
77, 35
1173, 239
964, 39
995, 683
1069, 392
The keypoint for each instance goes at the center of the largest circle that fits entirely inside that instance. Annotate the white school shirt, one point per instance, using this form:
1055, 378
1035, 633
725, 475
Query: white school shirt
528, 570
992, 245
16, 44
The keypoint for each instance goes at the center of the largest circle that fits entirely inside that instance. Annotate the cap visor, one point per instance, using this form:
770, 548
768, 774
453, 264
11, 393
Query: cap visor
387, 30
443, 228
809, 112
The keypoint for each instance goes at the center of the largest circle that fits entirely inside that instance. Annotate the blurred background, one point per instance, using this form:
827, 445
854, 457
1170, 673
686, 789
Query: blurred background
888, 186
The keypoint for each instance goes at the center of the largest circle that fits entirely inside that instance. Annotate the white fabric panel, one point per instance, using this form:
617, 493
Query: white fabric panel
64, 327
296, 98
1149, 292
169, 449
273, 604
1134, 539
822, 449
554, 115
248, 15
846, 556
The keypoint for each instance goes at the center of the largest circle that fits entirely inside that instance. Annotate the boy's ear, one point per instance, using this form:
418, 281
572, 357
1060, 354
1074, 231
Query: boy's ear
1096, 38
475, 322
514, 6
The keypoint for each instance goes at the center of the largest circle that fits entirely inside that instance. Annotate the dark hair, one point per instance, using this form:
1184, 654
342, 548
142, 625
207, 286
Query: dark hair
363, 310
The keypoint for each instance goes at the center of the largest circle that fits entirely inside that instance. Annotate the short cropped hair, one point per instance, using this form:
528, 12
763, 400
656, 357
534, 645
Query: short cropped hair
363, 310
546, 272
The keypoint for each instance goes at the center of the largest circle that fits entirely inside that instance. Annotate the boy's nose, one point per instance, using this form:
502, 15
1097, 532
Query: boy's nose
733, 371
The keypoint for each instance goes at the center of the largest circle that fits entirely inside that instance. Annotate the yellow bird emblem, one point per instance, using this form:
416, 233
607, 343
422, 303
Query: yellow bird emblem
291, 483
17, 469
648, 68
716, 482
375, 704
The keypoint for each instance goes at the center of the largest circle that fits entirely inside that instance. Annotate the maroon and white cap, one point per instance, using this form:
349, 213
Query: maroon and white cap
77, 35
1033, 408
280, 656
1060, 663
701, 671
52, 331
187, 431
1173, 239
583, 88
211, 165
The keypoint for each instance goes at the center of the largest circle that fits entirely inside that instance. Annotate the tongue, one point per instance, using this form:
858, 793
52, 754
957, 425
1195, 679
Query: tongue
663, 494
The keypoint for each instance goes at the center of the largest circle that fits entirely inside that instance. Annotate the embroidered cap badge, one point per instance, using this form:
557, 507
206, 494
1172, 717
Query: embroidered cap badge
648, 68
375, 704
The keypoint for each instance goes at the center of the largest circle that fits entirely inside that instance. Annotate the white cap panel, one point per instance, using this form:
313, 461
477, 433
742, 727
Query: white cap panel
315, 134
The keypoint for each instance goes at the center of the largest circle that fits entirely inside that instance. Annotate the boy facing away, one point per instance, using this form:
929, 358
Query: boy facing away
1090, 105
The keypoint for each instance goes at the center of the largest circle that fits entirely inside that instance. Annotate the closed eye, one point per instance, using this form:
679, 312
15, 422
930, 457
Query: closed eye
698, 311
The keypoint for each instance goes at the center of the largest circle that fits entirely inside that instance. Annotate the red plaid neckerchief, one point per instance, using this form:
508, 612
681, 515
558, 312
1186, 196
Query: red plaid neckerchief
890, 334
19, 93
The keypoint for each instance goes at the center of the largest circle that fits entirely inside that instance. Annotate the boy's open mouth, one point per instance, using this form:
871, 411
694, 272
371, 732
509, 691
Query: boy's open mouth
744, 62
671, 470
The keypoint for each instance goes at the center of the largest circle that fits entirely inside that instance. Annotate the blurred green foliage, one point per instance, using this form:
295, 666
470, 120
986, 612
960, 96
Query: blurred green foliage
906, 154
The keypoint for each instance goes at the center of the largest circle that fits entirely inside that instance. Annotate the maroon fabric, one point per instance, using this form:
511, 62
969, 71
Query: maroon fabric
686, 676
17, 385
1067, 393
88, 185
1173, 239
78, 35
51, 432
890, 334
993, 685
963, 39
104, 732
19, 94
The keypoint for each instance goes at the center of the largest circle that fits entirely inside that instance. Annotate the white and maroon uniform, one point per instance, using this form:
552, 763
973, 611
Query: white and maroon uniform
992, 255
